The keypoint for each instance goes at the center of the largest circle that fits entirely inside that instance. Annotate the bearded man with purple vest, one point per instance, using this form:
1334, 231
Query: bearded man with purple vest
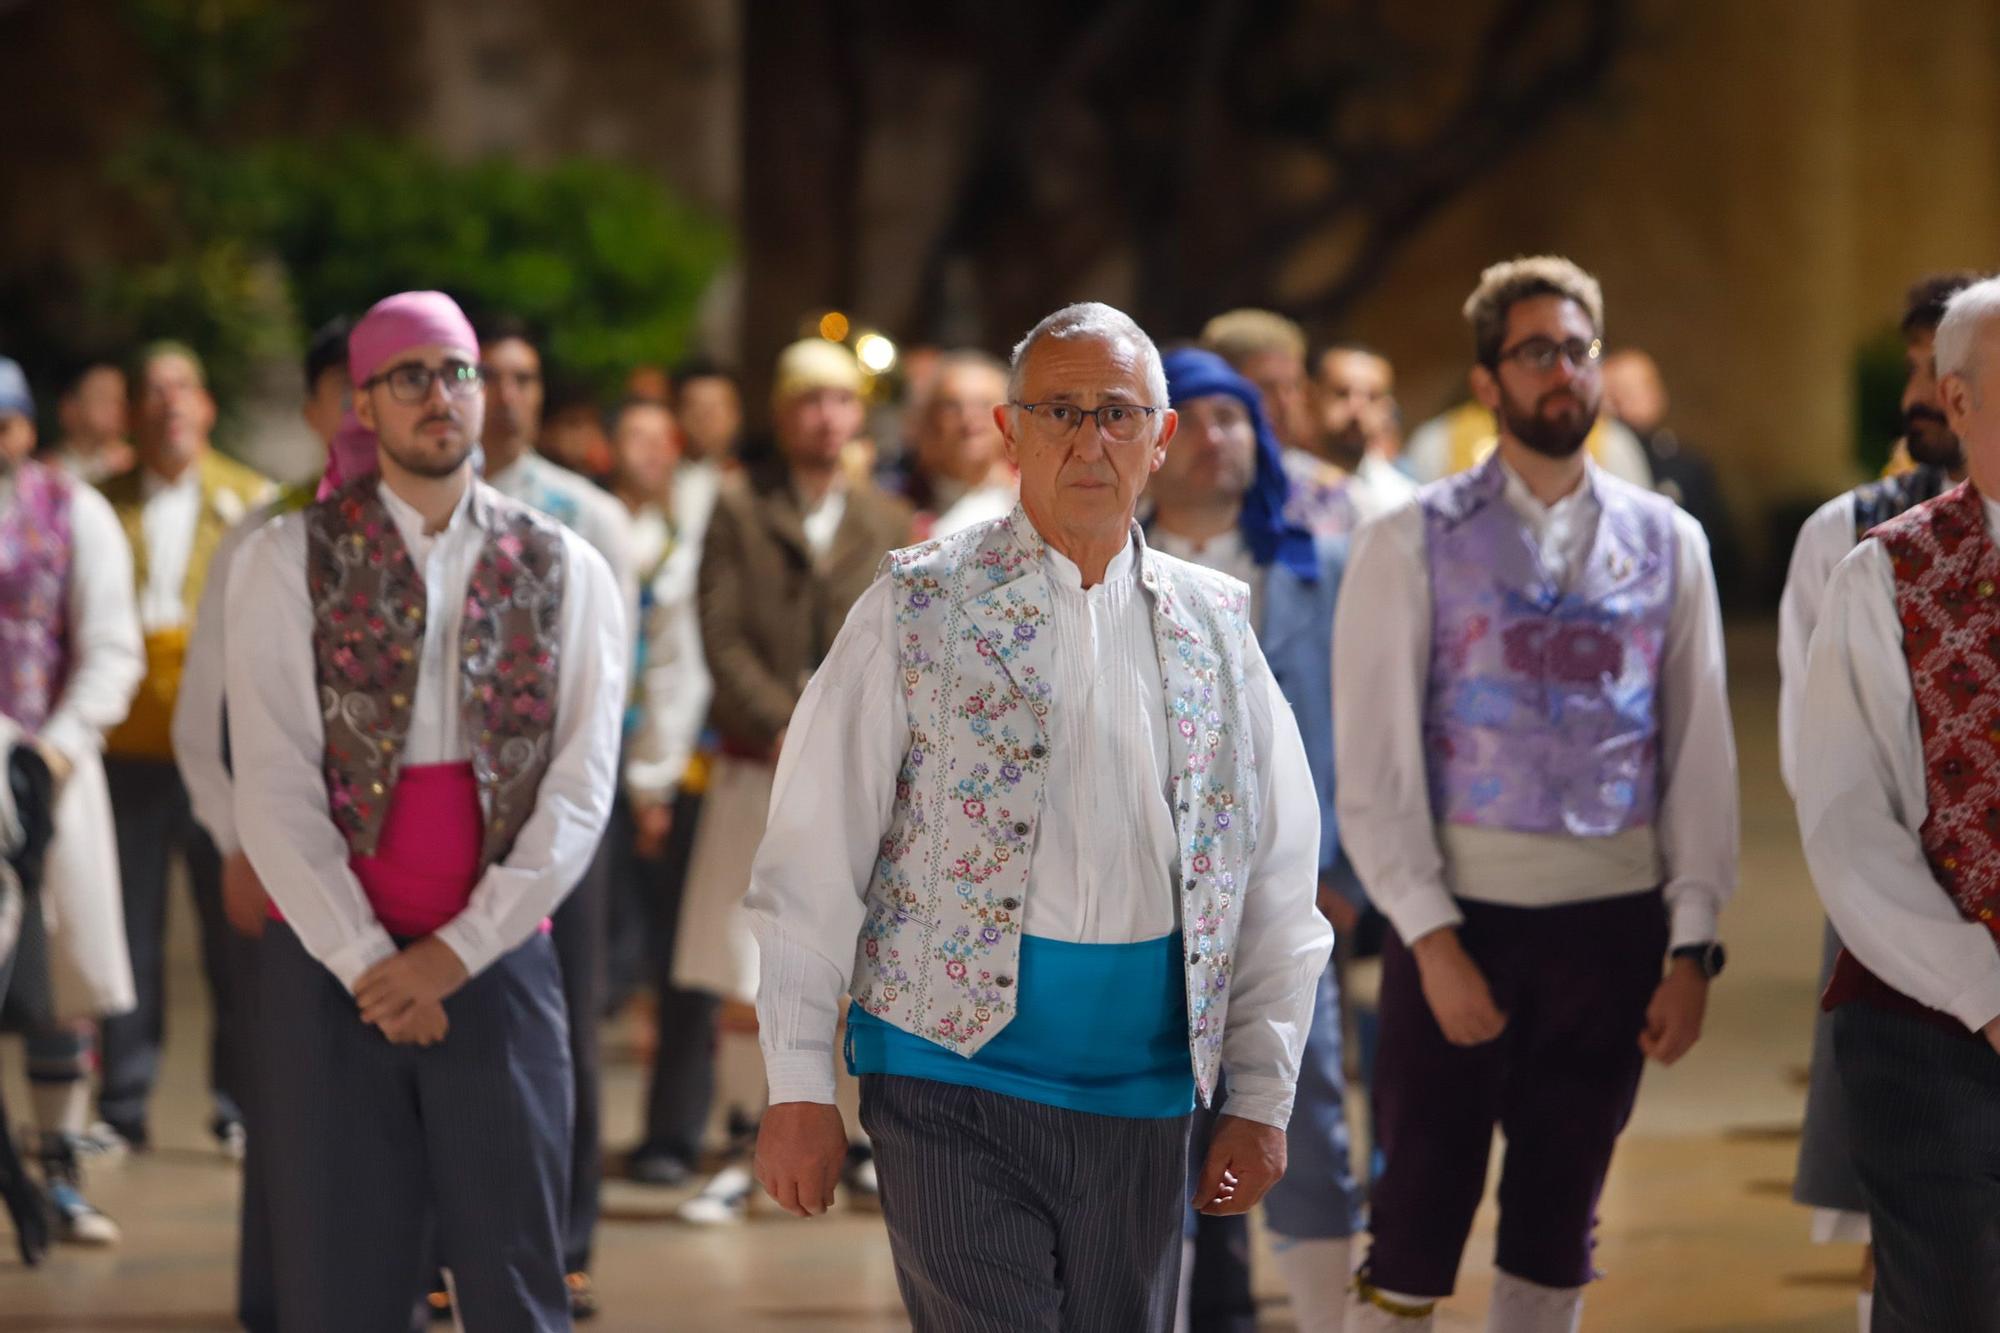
1826, 1181
1900, 815
69, 662
1531, 690
424, 685
1044, 819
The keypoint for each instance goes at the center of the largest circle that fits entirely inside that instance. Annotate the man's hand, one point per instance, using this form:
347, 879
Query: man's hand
801, 1148
1673, 1019
653, 822
59, 765
420, 1025
1992, 1031
243, 898
422, 974
1343, 914
1456, 990
1245, 1159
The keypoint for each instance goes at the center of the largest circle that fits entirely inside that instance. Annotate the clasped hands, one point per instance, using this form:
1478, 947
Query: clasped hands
404, 994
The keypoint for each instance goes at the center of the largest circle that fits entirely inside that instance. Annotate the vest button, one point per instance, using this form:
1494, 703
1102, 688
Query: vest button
1010, 903
1003, 982
1020, 830
1986, 588
1038, 752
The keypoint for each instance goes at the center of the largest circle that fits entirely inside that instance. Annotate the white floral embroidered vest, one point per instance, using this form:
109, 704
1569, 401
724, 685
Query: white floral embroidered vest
940, 948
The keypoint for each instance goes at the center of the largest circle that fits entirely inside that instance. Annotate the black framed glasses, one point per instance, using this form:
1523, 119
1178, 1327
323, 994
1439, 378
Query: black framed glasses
411, 383
1121, 423
1541, 354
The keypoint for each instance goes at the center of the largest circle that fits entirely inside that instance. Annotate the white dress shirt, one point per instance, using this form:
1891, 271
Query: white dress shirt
1378, 487
1412, 865
675, 687
278, 741
1822, 544
106, 660
1862, 801
579, 504
168, 513
697, 485
197, 725
1104, 867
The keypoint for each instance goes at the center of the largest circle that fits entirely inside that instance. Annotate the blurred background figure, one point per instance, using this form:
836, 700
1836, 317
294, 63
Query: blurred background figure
708, 403
955, 472
92, 413
793, 542
1354, 409
1270, 351
1635, 396
175, 507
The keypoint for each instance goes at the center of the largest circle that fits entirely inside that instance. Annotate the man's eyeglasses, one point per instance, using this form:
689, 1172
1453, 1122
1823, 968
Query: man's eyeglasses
412, 383
1121, 423
1541, 354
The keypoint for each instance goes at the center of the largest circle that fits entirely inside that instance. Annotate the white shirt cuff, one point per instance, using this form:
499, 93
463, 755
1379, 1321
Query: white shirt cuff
1695, 918
1978, 1004
1421, 912
470, 942
1268, 1101
799, 1076
359, 954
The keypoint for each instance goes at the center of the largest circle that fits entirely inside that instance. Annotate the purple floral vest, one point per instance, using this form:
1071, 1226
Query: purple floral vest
1543, 707
368, 634
34, 582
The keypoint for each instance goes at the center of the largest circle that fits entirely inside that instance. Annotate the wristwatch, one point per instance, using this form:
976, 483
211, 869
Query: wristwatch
1708, 956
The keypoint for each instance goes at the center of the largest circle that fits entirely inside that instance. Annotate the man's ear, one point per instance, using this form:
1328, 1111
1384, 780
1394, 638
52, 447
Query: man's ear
364, 409
1955, 396
1485, 387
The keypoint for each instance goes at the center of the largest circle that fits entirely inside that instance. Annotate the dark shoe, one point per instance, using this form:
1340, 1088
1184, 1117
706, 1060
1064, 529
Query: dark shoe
656, 1166
582, 1296
230, 1136
77, 1221
114, 1138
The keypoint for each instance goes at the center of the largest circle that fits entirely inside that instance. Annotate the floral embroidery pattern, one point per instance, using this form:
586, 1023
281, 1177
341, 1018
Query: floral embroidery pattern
368, 632
940, 945
1947, 573
35, 552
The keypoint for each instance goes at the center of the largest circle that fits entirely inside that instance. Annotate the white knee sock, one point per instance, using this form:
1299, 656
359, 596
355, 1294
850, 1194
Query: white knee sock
1184, 1299
1864, 1310
61, 1108
1316, 1274
1365, 1316
1521, 1306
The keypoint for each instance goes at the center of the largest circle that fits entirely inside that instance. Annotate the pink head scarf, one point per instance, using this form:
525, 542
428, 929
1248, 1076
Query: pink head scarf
393, 326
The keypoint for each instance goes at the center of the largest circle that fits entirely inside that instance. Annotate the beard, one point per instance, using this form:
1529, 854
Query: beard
1928, 436
1550, 427
433, 457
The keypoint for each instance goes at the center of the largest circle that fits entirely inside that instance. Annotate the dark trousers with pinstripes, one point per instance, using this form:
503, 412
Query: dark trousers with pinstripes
369, 1145
1008, 1216
1923, 1115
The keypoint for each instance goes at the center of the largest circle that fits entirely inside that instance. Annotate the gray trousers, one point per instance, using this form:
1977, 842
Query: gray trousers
1826, 1176
368, 1145
1008, 1216
1923, 1104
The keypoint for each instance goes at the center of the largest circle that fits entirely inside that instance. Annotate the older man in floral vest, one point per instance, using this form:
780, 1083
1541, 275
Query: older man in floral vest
1044, 818
424, 685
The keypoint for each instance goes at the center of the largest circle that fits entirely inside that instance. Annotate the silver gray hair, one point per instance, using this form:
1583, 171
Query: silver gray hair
1093, 319
1968, 312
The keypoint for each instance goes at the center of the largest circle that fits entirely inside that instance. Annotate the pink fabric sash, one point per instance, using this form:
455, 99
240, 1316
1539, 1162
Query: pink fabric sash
427, 861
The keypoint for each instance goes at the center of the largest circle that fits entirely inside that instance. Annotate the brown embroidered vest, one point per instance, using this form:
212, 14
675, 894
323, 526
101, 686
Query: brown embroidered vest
368, 633
1947, 573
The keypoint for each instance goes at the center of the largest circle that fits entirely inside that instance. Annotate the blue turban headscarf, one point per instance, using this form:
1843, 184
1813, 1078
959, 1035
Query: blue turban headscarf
14, 394
1194, 373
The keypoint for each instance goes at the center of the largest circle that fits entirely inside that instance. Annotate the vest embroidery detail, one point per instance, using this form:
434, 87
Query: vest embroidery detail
1947, 573
36, 550
368, 631
940, 943
1542, 710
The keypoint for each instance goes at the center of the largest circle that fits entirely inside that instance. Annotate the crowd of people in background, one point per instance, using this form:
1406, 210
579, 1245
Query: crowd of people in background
736, 558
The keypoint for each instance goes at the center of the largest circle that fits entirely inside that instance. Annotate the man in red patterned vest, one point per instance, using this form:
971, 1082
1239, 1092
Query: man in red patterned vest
1899, 805
424, 687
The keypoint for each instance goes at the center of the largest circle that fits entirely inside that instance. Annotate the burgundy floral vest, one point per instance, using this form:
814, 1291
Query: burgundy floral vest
34, 583
368, 634
1947, 572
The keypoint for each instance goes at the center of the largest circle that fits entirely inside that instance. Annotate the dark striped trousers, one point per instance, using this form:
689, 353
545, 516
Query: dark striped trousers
1008, 1216
1923, 1113
368, 1146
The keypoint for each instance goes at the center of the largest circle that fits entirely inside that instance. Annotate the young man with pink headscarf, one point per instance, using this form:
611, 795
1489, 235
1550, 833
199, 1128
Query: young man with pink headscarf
424, 686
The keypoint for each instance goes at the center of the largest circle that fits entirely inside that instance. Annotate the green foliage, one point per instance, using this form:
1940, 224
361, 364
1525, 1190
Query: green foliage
262, 242
1878, 399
